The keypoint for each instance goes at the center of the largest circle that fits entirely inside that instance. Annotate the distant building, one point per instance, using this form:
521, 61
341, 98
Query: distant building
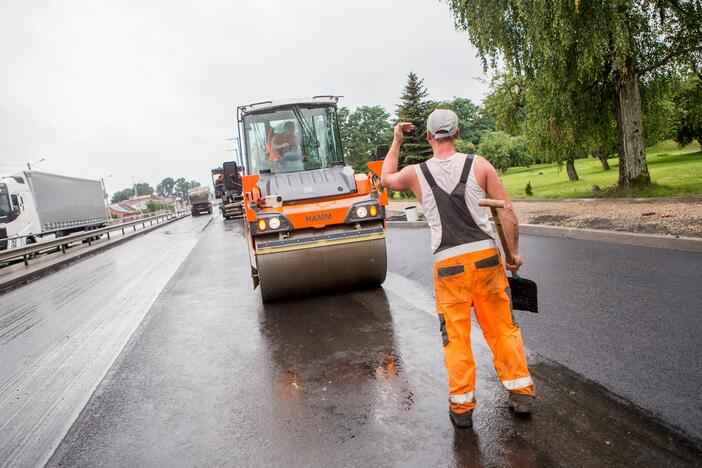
139, 203
117, 210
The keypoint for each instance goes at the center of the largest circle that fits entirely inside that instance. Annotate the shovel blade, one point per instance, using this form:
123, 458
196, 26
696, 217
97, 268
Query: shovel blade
524, 294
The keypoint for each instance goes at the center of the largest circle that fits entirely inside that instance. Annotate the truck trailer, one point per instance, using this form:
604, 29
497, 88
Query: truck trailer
37, 204
200, 200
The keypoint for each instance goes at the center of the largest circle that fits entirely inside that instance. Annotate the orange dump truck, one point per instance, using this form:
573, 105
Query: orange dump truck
314, 225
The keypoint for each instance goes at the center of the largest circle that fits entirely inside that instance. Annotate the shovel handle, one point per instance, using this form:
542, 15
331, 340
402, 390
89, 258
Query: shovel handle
494, 205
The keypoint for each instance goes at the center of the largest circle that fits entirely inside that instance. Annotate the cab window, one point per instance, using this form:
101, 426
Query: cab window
16, 205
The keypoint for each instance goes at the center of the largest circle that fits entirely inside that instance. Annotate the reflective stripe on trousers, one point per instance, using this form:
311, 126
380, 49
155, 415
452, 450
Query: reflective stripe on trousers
462, 398
517, 383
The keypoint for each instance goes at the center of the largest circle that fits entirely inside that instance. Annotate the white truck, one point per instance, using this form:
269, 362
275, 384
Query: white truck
38, 204
200, 200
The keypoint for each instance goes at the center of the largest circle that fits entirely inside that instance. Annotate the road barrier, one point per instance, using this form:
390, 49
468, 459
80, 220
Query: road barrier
62, 243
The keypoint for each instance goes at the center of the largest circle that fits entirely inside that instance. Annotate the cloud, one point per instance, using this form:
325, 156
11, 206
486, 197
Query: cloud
149, 88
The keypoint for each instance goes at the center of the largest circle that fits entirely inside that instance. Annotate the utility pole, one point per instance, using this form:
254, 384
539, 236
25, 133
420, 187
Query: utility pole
29, 165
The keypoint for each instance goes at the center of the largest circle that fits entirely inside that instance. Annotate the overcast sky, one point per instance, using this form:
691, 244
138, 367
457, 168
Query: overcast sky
148, 88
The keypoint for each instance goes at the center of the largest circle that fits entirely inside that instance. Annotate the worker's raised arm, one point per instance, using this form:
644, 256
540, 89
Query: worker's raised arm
406, 178
497, 191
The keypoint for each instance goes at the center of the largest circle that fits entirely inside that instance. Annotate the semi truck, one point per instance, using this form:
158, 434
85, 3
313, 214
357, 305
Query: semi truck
200, 200
35, 205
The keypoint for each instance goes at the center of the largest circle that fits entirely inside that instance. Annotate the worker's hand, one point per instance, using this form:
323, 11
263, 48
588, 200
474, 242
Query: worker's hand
401, 129
514, 267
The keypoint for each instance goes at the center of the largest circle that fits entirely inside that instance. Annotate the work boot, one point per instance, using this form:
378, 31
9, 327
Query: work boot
464, 419
521, 403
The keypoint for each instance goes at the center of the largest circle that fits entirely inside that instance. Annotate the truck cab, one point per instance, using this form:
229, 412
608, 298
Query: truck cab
17, 214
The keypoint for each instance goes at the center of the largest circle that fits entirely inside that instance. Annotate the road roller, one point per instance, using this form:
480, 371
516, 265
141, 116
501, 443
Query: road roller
314, 225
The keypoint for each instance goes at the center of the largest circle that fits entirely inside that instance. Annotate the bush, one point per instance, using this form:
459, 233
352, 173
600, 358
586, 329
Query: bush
505, 151
494, 147
465, 146
519, 152
528, 189
152, 206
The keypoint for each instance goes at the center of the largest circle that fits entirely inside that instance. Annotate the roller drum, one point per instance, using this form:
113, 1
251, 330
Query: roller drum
303, 272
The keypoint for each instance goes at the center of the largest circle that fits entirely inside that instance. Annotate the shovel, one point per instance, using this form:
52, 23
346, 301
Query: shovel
524, 294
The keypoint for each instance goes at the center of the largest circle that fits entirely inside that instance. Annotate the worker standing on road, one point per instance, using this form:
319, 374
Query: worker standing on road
468, 269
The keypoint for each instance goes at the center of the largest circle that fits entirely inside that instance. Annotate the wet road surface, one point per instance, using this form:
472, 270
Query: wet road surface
213, 377
60, 335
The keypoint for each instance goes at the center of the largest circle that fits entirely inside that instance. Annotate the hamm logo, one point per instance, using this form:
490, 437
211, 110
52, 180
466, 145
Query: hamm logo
318, 217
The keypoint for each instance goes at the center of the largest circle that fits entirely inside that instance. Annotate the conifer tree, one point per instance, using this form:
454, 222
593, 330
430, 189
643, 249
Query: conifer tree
414, 108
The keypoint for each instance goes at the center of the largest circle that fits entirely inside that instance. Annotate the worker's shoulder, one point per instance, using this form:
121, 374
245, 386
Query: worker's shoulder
482, 164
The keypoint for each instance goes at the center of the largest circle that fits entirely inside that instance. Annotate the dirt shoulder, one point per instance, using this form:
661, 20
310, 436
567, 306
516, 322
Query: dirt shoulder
677, 217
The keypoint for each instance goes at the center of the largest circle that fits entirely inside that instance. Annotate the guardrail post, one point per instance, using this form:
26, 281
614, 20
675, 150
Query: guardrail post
108, 236
26, 260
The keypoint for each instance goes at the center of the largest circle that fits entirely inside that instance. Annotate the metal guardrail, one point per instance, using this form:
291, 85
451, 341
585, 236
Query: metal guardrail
62, 242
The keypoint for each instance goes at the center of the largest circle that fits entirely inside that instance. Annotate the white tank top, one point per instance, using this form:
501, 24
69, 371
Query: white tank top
447, 173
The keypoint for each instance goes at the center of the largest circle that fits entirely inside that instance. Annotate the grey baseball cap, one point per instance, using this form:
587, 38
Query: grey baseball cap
442, 123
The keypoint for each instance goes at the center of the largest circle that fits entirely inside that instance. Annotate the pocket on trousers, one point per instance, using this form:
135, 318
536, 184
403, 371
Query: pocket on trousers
450, 284
490, 276
442, 328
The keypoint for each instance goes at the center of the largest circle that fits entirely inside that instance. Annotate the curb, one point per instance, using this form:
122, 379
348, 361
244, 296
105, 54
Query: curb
690, 244
38, 273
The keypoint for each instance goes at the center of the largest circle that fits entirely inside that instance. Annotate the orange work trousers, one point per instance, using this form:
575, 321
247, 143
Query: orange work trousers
478, 279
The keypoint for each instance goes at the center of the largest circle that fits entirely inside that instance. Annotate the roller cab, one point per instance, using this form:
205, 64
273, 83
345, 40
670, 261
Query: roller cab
314, 226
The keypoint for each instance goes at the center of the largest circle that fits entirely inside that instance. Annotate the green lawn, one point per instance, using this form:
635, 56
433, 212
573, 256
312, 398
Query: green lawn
674, 171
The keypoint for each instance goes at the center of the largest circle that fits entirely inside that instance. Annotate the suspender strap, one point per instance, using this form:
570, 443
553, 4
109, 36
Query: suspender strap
466, 169
427, 175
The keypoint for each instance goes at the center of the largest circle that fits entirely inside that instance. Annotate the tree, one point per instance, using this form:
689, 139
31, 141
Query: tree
505, 105
361, 132
472, 120
143, 188
688, 121
414, 108
181, 187
165, 187
124, 194
568, 46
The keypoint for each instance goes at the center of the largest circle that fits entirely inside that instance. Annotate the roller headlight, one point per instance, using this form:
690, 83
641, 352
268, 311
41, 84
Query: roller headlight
361, 211
373, 210
274, 223
262, 225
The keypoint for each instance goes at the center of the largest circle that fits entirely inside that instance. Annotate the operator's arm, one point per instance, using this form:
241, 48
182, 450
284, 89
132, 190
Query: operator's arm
278, 147
495, 190
405, 179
